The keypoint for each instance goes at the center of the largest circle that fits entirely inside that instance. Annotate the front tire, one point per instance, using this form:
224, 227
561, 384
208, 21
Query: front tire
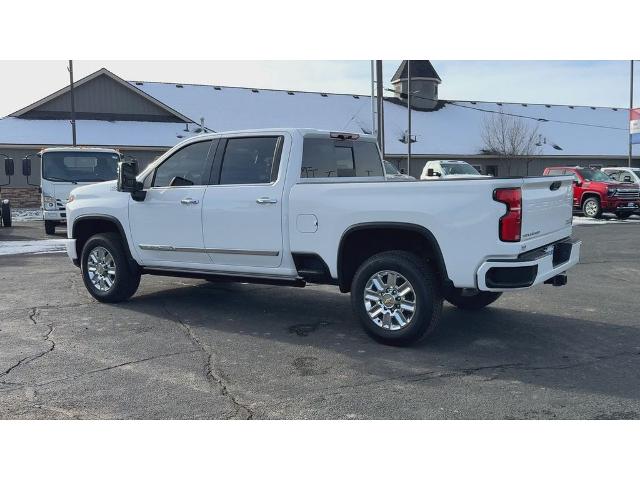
591, 208
397, 297
471, 302
6, 214
49, 227
106, 271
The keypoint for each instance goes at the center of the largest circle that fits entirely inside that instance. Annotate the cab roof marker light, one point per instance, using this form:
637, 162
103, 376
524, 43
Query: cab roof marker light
344, 136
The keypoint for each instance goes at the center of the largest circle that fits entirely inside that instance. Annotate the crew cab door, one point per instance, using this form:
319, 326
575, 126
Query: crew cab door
166, 226
242, 208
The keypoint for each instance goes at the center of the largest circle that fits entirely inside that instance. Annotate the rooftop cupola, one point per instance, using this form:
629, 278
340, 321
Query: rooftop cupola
424, 84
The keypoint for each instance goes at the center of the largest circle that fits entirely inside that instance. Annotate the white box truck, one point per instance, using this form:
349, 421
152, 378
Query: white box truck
65, 168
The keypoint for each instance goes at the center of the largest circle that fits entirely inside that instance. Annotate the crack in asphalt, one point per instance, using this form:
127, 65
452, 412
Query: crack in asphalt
46, 307
91, 372
111, 367
465, 372
212, 375
34, 312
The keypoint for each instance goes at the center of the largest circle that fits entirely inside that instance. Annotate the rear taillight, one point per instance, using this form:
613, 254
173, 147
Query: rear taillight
510, 222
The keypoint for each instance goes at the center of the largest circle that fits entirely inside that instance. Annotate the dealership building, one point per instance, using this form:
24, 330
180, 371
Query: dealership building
144, 119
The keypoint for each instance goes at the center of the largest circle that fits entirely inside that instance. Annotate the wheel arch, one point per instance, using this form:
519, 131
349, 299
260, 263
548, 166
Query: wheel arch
418, 238
85, 226
589, 194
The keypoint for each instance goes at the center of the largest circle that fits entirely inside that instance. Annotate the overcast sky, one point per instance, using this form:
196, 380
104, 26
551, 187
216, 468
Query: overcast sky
594, 83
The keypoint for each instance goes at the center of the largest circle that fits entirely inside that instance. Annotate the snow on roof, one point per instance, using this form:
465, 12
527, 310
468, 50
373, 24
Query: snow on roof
457, 128
234, 108
454, 129
17, 131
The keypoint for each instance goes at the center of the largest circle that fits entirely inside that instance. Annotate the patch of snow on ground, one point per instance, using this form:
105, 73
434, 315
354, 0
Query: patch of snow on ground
26, 214
15, 247
605, 220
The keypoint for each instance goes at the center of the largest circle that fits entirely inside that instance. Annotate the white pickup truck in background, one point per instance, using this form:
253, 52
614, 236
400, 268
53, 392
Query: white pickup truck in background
435, 169
291, 206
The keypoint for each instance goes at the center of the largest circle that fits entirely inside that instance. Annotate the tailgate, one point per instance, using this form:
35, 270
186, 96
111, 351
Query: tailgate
547, 205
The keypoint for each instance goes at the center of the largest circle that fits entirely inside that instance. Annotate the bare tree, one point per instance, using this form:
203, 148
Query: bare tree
509, 137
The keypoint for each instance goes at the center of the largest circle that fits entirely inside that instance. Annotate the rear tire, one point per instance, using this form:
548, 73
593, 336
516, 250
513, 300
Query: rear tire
406, 290
471, 302
623, 215
106, 271
591, 208
6, 214
49, 227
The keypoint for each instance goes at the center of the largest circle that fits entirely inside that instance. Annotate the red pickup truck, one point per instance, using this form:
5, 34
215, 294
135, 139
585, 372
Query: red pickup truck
594, 192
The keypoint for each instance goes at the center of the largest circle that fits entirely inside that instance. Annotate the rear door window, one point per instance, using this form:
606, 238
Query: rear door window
250, 161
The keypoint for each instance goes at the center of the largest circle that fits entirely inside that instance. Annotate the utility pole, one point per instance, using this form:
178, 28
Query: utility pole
73, 103
630, 108
380, 101
409, 119
374, 129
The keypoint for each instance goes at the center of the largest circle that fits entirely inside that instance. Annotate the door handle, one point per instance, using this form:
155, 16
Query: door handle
189, 201
263, 200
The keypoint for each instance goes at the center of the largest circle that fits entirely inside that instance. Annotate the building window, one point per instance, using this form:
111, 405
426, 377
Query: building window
491, 170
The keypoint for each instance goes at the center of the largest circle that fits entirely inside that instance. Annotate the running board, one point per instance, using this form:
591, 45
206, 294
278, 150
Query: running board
226, 276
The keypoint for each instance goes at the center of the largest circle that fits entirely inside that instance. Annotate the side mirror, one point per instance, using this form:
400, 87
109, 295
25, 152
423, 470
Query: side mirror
430, 172
402, 171
135, 165
577, 183
127, 182
627, 179
26, 167
8, 167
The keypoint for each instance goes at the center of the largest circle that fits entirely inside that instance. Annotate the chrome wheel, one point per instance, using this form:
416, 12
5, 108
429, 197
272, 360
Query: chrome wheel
101, 269
591, 208
390, 300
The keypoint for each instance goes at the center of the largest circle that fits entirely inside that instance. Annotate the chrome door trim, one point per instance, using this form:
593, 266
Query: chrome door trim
159, 248
227, 251
169, 248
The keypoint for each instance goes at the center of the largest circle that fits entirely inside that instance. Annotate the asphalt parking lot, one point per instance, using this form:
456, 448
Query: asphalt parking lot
193, 349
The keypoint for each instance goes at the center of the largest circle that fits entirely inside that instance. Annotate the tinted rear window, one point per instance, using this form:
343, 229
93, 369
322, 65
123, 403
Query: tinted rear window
330, 158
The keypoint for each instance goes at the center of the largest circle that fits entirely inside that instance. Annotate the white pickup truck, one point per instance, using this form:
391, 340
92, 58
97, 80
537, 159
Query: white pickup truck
291, 206
437, 169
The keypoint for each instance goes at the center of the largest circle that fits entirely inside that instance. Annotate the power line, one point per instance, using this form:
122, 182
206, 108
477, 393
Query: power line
497, 112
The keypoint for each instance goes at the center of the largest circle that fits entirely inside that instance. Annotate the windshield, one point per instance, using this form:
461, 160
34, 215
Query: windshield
390, 168
79, 166
458, 169
594, 175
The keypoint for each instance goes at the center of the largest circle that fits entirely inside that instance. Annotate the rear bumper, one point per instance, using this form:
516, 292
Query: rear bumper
530, 268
